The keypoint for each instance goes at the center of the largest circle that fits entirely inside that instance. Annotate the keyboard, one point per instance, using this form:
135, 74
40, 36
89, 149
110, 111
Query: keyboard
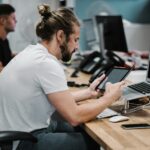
107, 113
142, 87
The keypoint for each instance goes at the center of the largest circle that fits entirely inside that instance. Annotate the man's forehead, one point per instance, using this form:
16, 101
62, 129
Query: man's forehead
11, 14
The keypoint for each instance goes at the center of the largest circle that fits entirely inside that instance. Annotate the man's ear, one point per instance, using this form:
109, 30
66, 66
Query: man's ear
60, 36
2, 20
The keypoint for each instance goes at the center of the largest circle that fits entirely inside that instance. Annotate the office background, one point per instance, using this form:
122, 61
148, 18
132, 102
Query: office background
134, 11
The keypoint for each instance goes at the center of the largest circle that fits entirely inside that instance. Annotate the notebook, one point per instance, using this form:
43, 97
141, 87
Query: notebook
140, 89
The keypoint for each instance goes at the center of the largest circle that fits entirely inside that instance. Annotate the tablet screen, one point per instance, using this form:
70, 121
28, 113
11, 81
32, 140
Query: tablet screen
113, 76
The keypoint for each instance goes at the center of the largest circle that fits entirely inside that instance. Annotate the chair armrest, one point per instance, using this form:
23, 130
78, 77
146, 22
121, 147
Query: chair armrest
9, 136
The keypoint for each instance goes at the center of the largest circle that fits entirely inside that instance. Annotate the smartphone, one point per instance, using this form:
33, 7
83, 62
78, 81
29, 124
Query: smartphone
136, 126
114, 75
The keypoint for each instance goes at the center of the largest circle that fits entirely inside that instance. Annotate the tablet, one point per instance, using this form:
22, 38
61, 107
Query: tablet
114, 75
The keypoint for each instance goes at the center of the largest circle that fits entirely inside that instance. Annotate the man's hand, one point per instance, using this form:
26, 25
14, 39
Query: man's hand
114, 91
92, 88
90, 92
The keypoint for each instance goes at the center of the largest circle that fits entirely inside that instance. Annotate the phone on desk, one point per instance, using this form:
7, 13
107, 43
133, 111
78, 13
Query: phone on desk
136, 126
96, 60
91, 62
114, 75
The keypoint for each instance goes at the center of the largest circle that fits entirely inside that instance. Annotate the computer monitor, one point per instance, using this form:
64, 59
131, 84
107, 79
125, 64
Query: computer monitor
89, 30
111, 33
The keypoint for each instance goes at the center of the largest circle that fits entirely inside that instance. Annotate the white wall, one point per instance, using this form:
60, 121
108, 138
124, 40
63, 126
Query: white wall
137, 36
27, 16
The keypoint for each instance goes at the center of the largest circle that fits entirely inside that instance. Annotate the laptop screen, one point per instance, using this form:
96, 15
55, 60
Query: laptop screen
148, 71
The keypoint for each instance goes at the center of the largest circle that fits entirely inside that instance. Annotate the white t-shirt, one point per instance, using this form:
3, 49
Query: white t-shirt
24, 83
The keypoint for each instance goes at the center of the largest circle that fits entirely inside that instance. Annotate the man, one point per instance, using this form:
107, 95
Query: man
33, 85
7, 25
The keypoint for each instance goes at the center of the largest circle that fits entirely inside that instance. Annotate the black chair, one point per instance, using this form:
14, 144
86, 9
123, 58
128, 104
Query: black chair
7, 138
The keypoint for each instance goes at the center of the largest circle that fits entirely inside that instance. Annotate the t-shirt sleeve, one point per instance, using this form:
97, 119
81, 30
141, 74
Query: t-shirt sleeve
51, 77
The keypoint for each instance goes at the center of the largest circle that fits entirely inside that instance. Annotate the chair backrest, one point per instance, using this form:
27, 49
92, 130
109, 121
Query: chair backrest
7, 138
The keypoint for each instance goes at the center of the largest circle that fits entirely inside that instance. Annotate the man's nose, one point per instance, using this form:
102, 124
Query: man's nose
77, 46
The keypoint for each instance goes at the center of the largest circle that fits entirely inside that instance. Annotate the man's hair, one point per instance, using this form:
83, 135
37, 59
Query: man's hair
52, 21
6, 9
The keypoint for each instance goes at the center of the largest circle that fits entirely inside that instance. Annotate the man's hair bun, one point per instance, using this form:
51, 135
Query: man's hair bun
44, 11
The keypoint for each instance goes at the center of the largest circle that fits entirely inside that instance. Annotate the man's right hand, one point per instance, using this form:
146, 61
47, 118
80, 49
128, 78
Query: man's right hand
114, 91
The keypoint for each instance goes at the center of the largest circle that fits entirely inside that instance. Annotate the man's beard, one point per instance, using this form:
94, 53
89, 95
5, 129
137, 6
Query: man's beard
66, 55
9, 30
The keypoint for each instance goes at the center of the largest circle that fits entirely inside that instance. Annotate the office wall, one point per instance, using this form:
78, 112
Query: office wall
136, 11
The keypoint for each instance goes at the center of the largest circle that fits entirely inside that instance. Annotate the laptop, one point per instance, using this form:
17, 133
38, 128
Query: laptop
140, 89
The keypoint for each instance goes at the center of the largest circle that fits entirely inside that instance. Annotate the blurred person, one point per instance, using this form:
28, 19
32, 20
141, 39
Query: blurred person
41, 88
7, 24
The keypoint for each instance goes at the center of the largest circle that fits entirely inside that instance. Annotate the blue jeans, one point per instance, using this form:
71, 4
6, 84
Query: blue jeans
60, 135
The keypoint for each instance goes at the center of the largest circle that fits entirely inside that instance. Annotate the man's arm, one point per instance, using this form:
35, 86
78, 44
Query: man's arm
75, 114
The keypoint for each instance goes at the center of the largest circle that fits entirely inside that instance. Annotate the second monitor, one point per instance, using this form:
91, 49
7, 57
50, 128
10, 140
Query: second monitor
111, 33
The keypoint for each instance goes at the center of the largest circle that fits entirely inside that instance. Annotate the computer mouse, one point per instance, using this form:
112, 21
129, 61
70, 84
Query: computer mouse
118, 118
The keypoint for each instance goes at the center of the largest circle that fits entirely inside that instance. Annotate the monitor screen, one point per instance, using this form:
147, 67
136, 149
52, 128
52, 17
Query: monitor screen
112, 32
148, 70
89, 30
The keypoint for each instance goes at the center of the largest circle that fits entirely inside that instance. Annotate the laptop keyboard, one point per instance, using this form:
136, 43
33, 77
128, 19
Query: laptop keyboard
141, 87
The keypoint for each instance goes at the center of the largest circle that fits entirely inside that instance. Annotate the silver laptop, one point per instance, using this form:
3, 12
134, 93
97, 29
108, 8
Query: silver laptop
140, 89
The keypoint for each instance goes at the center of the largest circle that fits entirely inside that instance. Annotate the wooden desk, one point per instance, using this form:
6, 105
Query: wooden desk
110, 135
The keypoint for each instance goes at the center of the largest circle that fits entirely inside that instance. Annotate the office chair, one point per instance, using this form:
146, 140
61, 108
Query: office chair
7, 138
